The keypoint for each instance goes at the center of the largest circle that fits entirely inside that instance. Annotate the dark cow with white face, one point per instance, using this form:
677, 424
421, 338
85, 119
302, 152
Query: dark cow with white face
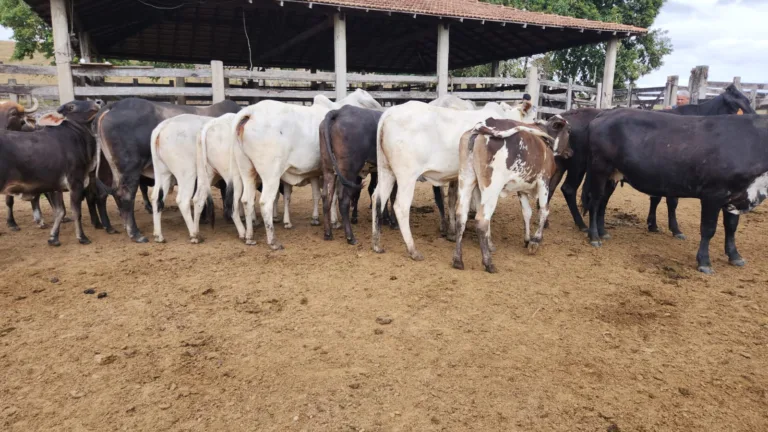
58, 157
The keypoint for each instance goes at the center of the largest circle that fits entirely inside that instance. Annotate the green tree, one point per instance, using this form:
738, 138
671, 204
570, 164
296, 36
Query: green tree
637, 56
30, 32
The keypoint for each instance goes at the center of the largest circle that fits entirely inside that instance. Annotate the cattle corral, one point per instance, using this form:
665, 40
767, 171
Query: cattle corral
224, 336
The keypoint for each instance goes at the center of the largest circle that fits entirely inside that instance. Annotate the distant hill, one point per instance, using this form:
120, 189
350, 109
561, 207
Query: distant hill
6, 51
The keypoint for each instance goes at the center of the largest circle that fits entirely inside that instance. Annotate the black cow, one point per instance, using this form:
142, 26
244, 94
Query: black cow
729, 102
721, 160
55, 158
125, 130
347, 144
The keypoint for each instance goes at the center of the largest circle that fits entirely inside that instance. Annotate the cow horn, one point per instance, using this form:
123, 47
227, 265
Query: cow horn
35, 106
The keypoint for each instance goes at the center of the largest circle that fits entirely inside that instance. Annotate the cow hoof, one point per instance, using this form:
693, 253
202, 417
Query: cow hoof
288, 226
546, 224
584, 229
250, 242
653, 229
490, 268
42, 225
533, 247
337, 225
111, 230
378, 249
195, 240
352, 241
14, 228
54, 242
394, 226
706, 270
327, 236
458, 264
315, 222
98, 226
354, 220
596, 243
66, 219
605, 236
148, 208
276, 246
738, 262
84, 241
141, 239
159, 239
417, 256
275, 218
680, 236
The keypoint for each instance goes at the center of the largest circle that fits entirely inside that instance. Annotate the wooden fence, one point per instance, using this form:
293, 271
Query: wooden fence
216, 83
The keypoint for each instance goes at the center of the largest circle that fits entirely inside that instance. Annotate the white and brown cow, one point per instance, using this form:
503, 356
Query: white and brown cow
498, 157
418, 141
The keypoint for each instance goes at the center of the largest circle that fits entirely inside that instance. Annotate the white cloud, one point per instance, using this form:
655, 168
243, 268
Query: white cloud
5, 33
730, 36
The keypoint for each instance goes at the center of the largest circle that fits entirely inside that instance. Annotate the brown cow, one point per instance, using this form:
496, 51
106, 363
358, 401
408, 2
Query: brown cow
14, 116
501, 156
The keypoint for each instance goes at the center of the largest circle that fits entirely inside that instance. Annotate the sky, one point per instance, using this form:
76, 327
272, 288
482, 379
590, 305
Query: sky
730, 36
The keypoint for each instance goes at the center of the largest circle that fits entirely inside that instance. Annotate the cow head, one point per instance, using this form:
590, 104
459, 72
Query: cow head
736, 102
362, 99
80, 112
560, 130
14, 115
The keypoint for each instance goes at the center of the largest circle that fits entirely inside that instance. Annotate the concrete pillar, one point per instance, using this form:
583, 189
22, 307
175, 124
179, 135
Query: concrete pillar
217, 80
569, 95
340, 54
532, 88
674, 87
609, 72
697, 84
181, 83
443, 50
62, 51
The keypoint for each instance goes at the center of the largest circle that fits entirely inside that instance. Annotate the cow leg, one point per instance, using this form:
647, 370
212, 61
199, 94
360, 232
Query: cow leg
76, 193
315, 183
390, 215
465, 189
372, 186
270, 188
355, 199
37, 214
402, 210
731, 223
11, 222
335, 206
437, 191
287, 191
484, 214
346, 200
237, 193
222, 185
542, 193
162, 182
380, 195
57, 202
200, 200
101, 206
475, 202
184, 200
453, 189
709, 212
672, 215
527, 210
596, 185
145, 196
609, 189
90, 201
569, 188
127, 197
248, 199
275, 217
553, 182
329, 191
652, 226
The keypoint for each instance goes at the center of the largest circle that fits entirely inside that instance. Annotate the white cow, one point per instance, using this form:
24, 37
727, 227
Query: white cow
174, 156
280, 141
419, 140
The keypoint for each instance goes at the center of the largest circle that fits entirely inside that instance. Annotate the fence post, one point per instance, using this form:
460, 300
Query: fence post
737, 82
180, 83
496, 73
569, 95
217, 80
599, 99
697, 84
629, 95
753, 96
532, 88
62, 51
13, 96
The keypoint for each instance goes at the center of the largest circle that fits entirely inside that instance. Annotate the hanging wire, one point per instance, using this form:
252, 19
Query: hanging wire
181, 5
247, 38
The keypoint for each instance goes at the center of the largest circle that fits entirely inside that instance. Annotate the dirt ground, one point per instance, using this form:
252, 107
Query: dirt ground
221, 336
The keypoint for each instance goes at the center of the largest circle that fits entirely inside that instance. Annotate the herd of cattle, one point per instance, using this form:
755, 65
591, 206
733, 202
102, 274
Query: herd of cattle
716, 151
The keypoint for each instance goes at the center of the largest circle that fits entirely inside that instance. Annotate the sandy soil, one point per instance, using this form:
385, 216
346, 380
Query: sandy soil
220, 336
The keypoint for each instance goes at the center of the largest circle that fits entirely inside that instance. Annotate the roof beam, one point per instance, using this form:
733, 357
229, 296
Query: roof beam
299, 38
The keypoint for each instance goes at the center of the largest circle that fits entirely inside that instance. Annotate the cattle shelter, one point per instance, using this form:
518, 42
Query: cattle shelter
343, 36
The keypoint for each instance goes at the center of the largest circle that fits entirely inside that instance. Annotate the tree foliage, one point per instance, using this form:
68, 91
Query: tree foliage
637, 56
30, 32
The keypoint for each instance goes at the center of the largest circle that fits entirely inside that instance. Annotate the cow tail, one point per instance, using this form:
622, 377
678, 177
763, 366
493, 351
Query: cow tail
586, 196
98, 133
203, 185
326, 133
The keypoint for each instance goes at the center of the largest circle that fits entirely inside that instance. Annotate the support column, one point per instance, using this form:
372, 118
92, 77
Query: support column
737, 83
609, 72
443, 50
62, 51
340, 54
532, 88
217, 80
697, 84
181, 83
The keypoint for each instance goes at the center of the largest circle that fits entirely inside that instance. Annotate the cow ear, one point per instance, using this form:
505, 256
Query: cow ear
51, 119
